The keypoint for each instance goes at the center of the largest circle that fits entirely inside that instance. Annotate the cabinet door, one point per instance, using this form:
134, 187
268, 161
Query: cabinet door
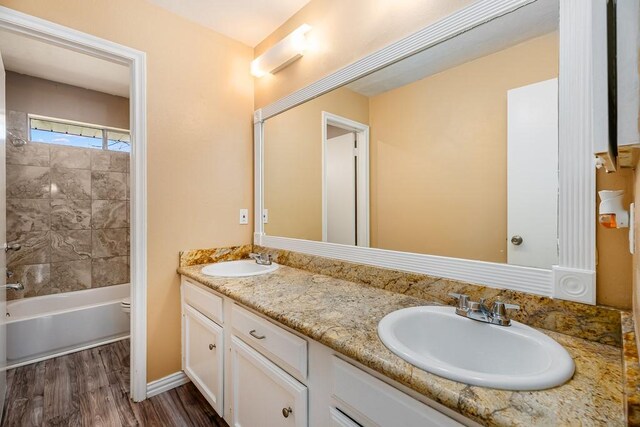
263, 394
203, 356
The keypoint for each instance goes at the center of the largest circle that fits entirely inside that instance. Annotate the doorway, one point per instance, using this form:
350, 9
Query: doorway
56, 37
345, 181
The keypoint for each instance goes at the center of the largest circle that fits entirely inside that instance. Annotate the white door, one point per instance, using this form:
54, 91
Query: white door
203, 356
532, 175
3, 237
263, 394
341, 189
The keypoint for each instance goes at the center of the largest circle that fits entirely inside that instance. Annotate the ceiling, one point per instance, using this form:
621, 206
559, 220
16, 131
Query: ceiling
36, 58
248, 21
533, 20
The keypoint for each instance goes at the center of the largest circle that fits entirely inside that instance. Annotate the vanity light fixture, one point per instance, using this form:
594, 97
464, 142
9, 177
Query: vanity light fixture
282, 53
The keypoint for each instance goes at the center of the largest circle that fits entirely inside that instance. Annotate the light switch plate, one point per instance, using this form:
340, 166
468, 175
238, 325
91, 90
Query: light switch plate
244, 216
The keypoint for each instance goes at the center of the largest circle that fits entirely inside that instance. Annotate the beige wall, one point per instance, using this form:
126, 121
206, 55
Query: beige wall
200, 102
46, 98
343, 32
439, 155
293, 163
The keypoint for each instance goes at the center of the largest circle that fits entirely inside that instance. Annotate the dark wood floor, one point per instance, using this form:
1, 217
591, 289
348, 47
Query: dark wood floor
91, 388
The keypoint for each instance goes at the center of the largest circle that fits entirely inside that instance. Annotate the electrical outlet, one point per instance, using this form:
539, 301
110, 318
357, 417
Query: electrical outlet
265, 216
244, 216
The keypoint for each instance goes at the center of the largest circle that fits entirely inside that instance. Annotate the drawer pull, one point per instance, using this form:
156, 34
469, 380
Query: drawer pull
286, 412
253, 334
212, 346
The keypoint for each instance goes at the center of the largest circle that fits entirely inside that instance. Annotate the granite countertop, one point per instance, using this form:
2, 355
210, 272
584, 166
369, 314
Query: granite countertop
344, 316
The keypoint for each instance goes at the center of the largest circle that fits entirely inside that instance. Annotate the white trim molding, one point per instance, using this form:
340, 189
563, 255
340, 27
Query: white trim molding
581, 81
167, 383
574, 284
59, 35
583, 120
502, 276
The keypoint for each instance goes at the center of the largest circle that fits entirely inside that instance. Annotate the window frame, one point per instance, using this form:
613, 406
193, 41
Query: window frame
104, 129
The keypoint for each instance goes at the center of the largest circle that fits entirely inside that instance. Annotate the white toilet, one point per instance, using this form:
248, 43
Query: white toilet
125, 305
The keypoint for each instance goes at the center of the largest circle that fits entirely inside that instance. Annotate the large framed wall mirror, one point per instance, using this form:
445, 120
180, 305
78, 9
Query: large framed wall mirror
448, 161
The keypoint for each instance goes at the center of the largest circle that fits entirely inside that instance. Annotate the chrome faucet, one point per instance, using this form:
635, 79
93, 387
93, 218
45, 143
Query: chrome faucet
14, 286
477, 310
261, 258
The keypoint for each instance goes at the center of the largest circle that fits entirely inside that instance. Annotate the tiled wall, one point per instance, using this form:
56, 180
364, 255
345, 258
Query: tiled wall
69, 209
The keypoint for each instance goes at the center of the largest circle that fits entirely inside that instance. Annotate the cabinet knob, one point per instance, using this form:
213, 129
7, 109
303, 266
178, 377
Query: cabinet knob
286, 412
212, 346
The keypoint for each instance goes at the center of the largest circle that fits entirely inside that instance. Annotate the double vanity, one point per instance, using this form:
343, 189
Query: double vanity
276, 345
397, 193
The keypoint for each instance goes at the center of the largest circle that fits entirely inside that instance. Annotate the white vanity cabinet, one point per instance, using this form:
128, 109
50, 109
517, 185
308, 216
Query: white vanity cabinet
256, 373
264, 394
203, 345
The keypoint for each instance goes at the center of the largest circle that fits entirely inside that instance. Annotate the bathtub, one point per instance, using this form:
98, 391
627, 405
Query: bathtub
48, 326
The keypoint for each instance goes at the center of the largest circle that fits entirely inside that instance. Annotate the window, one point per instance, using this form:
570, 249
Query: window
75, 134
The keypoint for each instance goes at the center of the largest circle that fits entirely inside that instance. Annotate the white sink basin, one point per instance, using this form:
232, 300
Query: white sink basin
241, 268
515, 357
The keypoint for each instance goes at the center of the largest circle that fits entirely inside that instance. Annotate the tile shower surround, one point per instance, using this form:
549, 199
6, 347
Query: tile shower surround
69, 209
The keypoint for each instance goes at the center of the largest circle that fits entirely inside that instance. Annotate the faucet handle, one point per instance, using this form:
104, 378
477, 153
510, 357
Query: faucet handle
500, 308
463, 301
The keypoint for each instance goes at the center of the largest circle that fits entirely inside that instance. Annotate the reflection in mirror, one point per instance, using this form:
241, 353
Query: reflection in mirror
450, 152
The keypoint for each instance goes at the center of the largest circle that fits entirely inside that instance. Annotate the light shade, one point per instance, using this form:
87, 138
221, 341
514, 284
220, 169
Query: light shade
282, 53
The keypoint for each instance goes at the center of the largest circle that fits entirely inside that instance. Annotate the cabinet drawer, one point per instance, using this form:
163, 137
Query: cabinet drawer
286, 349
372, 402
338, 419
205, 302
264, 394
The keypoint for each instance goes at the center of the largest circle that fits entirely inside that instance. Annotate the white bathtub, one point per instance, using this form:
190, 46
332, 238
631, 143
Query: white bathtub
43, 327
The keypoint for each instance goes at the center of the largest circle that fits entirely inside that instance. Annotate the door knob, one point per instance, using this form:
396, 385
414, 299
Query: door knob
517, 240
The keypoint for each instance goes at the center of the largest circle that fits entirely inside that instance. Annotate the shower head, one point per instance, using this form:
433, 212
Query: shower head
16, 140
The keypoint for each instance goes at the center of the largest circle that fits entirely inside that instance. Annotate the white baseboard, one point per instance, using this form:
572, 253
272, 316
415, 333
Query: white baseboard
166, 383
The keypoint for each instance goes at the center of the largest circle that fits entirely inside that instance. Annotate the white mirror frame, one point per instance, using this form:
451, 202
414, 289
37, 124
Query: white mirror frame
583, 119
